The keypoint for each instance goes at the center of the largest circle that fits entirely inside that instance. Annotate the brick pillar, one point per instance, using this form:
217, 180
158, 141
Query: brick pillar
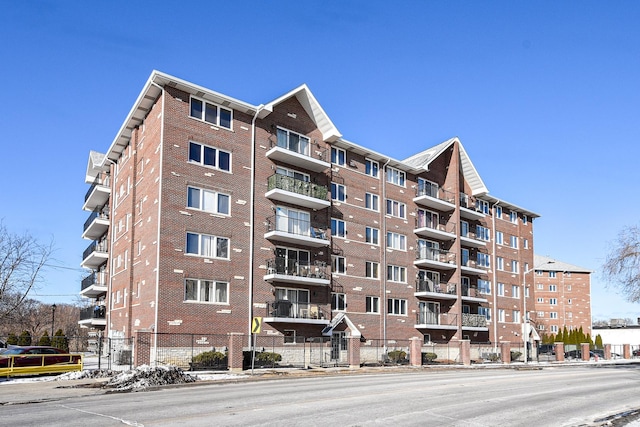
465, 352
416, 351
559, 349
235, 356
626, 351
607, 351
584, 348
505, 351
354, 352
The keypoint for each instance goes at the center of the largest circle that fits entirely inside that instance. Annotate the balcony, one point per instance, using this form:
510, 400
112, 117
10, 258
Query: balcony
285, 311
93, 285
471, 294
470, 239
95, 255
435, 258
302, 156
94, 317
96, 225
295, 231
431, 290
468, 208
430, 320
283, 270
472, 267
98, 194
428, 229
474, 321
296, 191
434, 197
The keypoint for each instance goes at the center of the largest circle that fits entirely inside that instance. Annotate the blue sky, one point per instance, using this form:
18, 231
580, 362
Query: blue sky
543, 95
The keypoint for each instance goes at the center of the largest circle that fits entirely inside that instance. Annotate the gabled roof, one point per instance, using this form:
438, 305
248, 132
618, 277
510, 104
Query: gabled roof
313, 108
95, 165
545, 263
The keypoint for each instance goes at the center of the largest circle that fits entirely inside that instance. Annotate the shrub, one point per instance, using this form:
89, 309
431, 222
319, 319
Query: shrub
209, 358
59, 340
429, 357
24, 338
397, 356
515, 355
12, 339
268, 357
44, 339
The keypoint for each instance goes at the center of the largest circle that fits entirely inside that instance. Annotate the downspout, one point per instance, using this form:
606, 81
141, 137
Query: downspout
252, 200
495, 283
383, 237
155, 322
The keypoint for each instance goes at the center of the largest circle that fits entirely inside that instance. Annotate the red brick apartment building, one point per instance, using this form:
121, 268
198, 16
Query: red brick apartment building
563, 296
207, 211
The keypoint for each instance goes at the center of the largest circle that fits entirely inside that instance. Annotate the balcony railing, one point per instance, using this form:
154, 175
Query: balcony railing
424, 223
97, 182
94, 215
292, 267
304, 149
95, 247
295, 310
432, 190
97, 312
474, 320
296, 226
439, 255
97, 279
431, 318
430, 286
298, 186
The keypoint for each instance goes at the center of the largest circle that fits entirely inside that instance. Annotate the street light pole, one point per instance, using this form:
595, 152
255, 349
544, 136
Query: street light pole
53, 319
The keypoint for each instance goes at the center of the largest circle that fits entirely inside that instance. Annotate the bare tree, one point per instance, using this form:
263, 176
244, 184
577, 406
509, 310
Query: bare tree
622, 265
22, 259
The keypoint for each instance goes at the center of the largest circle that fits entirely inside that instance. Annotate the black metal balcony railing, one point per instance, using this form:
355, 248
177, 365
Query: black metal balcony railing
292, 267
424, 223
433, 254
95, 247
93, 279
297, 226
433, 190
97, 312
94, 215
430, 286
431, 318
295, 310
474, 320
298, 186
97, 182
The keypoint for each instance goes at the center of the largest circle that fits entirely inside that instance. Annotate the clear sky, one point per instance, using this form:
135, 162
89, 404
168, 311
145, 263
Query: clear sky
544, 96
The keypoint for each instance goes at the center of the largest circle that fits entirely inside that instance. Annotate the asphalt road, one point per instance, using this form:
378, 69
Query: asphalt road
575, 396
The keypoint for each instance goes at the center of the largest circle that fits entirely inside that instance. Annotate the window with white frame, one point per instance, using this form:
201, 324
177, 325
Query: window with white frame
515, 291
338, 192
569, 301
208, 201
211, 291
338, 264
293, 141
371, 235
428, 188
371, 202
554, 329
301, 176
482, 206
553, 301
207, 245
515, 267
553, 288
338, 301
211, 113
209, 156
499, 237
485, 311
552, 274
484, 286
500, 289
372, 270
569, 288
338, 156
569, 314
483, 233
538, 272
500, 263
338, 228
483, 260
553, 315
372, 304
540, 300
514, 242
501, 315
541, 327
371, 168
395, 176
525, 219
396, 273
540, 314
396, 241
516, 316
428, 219
293, 221
397, 209
397, 306
499, 212
525, 243
513, 217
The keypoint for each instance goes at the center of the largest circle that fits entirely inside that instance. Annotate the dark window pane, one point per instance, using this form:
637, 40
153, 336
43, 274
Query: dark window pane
211, 113
225, 161
193, 198
194, 152
225, 118
192, 243
196, 108
209, 156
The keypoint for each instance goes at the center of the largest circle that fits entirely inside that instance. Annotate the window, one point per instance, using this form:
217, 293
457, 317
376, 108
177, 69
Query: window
428, 188
482, 206
515, 266
553, 301
483, 260
484, 286
516, 316
396, 274
395, 176
499, 237
338, 156
541, 327
293, 174
338, 264
569, 301
338, 228
554, 329
540, 300
371, 168
209, 156
513, 217
371, 201
206, 245
525, 219
427, 219
553, 315
569, 315
538, 272
372, 235
372, 270
540, 314
514, 242
515, 291
206, 291
500, 289
464, 228
293, 221
483, 233
501, 315
569, 288
338, 192
525, 243
500, 263
553, 288
293, 141
372, 304
526, 292
485, 311
338, 301
498, 211
397, 209
210, 113
552, 274
207, 200
396, 241
397, 306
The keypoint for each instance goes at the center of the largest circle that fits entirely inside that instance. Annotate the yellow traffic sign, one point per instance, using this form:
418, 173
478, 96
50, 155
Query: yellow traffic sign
256, 324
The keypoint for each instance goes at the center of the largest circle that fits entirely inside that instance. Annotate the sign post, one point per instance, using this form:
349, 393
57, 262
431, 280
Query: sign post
256, 326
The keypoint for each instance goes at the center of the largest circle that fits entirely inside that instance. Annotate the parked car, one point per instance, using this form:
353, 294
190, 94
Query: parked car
36, 356
547, 349
597, 352
636, 352
573, 354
